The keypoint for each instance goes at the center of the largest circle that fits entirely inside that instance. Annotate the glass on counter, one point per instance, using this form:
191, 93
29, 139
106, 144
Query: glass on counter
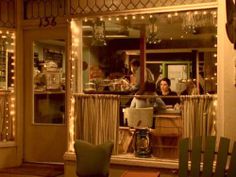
90, 86
107, 85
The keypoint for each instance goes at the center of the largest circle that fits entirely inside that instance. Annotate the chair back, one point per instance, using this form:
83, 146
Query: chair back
92, 160
139, 117
204, 154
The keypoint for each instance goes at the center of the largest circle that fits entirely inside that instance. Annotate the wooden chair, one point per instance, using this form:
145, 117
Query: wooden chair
139, 117
206, 162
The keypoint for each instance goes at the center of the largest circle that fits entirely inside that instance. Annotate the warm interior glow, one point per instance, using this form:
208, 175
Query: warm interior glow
75, 44
8, 43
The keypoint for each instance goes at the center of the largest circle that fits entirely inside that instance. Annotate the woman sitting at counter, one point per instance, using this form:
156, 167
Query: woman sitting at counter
140, 101
166, 91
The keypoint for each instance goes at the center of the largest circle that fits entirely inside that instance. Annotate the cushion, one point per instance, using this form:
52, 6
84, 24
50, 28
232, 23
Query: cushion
92, 160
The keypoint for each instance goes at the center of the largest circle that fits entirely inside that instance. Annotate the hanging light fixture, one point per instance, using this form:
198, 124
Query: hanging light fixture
189, 24
193, 20
152, 31
99, 38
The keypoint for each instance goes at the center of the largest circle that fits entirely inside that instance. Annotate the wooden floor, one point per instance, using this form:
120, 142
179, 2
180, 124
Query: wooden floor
34, 170
163, 173
14, 175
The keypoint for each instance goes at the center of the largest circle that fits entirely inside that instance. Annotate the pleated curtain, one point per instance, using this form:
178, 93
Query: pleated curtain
199, 115
97, 118
6, 121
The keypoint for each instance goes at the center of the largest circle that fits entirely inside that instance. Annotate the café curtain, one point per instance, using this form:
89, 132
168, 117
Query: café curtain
199, 115
97, 118
6, 122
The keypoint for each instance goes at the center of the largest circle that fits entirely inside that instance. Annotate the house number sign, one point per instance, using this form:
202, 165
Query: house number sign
47, 21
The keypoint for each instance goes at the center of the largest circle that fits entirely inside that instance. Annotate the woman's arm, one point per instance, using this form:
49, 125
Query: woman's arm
133, 103
160, 103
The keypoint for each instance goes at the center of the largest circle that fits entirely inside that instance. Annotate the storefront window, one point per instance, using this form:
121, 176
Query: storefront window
7, 85
178, 45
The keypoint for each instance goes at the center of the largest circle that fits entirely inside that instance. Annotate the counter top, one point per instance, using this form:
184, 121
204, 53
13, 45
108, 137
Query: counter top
37, 92
108, 92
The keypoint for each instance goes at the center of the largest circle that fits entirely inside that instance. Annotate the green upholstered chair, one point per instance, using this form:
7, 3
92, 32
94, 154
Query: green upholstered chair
215, 163
92, 160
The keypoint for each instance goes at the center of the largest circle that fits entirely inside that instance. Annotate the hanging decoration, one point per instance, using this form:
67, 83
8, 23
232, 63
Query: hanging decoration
194, 20
99, 38
189, 23
152, 31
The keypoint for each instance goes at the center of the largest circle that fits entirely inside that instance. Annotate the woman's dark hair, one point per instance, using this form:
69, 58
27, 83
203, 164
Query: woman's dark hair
135, 62
148, 87
167, 81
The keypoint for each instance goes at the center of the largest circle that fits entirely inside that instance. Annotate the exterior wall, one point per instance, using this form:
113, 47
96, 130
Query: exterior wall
7, 13
44, 9
226, 75
8, 154
19, 86
118, 168
78, 7
11, 152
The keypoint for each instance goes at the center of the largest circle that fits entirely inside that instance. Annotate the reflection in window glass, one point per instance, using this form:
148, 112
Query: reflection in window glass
49, 81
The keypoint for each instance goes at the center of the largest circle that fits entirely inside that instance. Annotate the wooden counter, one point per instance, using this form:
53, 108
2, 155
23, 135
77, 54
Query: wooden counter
108, 92
164, 137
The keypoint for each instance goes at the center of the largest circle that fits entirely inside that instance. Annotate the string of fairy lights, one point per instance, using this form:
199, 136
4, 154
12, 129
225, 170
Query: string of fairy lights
190, 21
75, 43
7, 66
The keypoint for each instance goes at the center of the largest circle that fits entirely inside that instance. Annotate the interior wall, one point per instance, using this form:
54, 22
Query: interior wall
40, 47
226, 75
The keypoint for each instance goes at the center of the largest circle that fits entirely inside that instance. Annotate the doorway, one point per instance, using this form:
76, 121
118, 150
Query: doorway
44, 90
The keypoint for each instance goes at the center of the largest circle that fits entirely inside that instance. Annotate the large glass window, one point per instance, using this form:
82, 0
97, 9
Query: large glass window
7, 85
179, 45
110, 43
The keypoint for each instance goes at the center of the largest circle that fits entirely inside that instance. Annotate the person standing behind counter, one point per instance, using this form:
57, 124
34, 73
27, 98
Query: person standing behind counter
135, 76
141, 102
166, 91
191, 89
